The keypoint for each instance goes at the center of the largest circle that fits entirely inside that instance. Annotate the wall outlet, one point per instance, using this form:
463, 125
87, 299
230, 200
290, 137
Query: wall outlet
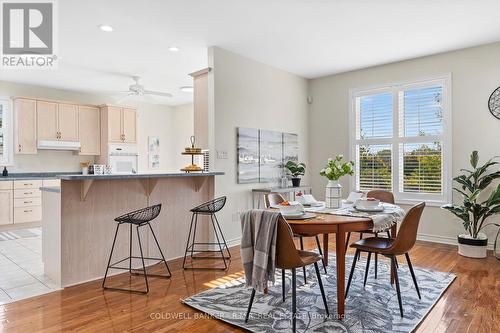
222, 154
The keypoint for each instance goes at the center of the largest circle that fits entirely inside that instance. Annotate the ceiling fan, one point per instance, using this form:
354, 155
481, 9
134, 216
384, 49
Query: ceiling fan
137, 89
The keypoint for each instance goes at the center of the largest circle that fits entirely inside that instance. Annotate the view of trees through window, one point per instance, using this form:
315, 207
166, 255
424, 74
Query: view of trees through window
417, 144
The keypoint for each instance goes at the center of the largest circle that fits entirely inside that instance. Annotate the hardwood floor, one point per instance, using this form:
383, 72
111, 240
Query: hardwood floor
471, 303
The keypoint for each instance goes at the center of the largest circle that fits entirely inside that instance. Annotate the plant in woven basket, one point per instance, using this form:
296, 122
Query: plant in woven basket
476, 213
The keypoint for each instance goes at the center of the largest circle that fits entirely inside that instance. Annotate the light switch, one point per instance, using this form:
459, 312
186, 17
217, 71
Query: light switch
222, 154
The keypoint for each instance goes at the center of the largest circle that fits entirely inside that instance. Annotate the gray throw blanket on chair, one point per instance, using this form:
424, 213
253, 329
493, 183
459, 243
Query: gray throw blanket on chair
258, 247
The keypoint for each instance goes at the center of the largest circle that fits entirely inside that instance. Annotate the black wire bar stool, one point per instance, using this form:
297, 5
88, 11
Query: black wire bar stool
139, 218
208, 208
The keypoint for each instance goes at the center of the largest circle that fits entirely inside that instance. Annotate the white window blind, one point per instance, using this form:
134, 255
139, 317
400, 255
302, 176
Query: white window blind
401, 140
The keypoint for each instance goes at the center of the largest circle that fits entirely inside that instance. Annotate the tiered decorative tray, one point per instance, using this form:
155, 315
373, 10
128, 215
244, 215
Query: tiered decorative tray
193, 151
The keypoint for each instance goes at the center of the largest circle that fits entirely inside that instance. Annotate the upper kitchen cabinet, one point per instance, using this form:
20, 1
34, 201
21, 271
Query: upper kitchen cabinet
57, 121
119, 124
47, 120
68, 122
90, 130
129, 118
25, 126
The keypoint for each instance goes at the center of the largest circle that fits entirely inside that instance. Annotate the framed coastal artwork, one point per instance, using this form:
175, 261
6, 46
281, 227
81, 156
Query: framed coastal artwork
261, 154
154, 152
248, 155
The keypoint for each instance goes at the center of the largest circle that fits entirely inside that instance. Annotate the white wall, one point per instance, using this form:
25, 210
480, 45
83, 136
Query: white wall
475, 74
250, 94
153, 120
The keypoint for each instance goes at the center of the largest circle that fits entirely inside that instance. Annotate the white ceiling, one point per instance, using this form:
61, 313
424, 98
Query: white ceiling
310, 38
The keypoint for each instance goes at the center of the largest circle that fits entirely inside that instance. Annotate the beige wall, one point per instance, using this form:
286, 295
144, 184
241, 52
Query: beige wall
475, 74
153, 120
250, 94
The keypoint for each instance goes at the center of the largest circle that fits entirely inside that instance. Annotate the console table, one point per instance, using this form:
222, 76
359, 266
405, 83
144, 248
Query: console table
258, 193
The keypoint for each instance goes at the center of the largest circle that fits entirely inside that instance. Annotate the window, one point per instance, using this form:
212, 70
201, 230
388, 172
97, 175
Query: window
401, 140
5, 132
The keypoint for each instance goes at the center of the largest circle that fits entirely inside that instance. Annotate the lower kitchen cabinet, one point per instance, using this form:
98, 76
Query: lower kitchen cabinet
6, 207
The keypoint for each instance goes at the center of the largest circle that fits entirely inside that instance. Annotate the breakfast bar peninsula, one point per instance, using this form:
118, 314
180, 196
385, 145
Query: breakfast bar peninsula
78, 219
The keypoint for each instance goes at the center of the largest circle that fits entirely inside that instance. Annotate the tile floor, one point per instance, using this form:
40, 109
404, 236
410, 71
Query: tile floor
21, 268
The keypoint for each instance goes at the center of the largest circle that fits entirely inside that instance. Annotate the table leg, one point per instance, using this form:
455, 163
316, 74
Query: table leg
325, 249
394, 230
340, 250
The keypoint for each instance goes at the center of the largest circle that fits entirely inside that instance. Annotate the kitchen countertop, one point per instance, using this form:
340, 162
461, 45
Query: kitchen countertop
35, 175
139, 175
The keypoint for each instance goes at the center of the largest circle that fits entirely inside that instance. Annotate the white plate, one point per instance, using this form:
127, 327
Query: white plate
367, 209
300, 217
292, 214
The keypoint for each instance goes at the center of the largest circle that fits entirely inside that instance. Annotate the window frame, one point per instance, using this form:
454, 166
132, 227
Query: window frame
396, 140
8, 129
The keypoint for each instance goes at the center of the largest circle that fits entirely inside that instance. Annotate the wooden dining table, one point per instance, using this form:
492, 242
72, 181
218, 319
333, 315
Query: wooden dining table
339, 225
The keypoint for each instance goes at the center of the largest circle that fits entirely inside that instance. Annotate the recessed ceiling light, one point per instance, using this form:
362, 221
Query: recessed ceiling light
105, 27
187, 89
173, 49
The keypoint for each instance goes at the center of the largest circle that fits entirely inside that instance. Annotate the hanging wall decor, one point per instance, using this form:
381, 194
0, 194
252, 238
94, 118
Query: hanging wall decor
494, 103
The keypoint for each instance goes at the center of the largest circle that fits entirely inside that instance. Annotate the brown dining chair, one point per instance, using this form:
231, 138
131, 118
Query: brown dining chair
288, 257
392, 247
273, 199
383, 196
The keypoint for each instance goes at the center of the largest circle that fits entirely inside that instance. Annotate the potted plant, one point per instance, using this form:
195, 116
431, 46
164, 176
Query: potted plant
296, 170
474, 212
334, 169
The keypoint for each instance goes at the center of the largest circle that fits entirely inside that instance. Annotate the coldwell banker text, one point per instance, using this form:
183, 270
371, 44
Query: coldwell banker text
28, 35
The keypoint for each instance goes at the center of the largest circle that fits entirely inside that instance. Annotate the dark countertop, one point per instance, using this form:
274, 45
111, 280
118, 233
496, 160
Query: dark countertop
139, 175
55, 189
34, 175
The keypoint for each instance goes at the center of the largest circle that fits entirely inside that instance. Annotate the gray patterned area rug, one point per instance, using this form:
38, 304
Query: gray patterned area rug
370, 309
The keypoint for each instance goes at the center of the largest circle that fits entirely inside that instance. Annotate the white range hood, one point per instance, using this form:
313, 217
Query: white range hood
58, 145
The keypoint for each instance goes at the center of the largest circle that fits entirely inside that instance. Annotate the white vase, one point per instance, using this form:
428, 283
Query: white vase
333, 196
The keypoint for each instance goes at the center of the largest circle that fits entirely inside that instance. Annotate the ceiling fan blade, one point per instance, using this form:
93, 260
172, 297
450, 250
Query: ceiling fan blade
158, 93
123, 98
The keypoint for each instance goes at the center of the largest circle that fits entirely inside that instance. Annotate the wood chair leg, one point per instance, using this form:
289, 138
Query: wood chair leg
353, 266
360, 237
367, 267
412, 274
376, 264
303, 268
250, 305
294, 300
283, 284
321, 253
398, 290
347, 241
318, 276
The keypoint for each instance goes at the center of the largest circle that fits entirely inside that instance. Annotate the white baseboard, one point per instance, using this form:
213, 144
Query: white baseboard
443, 240
422, 237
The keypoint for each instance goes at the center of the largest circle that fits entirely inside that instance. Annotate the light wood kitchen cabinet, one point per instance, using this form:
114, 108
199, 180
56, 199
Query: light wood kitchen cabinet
6, 204
90, 130
57, 121
129, 125
27, 201
119, 124
25, 126
115, 132
68, 122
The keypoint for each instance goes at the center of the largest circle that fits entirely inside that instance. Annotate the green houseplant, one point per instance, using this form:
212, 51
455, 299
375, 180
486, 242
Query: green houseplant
475, 212
334, 169
296, 170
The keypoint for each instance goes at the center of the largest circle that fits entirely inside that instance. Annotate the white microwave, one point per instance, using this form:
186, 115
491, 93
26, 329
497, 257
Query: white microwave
123, 158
